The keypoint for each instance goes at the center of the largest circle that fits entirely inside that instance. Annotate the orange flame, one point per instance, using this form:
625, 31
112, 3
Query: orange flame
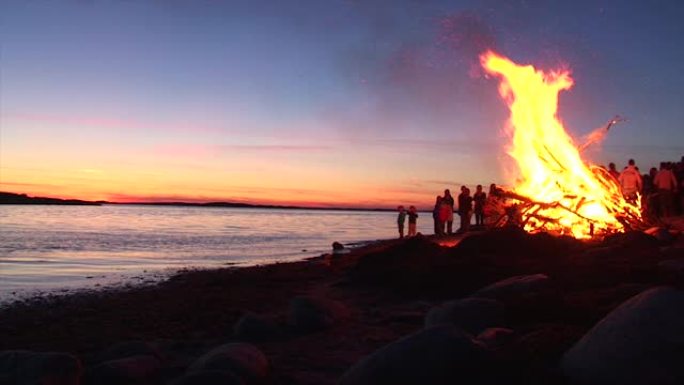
569, 195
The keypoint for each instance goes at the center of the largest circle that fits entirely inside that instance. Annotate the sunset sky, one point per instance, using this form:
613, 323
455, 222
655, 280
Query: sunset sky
321, 103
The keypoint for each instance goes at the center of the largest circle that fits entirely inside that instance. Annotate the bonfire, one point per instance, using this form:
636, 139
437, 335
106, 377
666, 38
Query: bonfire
556, 190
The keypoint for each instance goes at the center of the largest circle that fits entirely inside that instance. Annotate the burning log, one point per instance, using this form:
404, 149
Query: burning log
529, 209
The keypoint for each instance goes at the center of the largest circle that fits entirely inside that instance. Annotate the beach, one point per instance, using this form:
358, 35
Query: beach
311, 321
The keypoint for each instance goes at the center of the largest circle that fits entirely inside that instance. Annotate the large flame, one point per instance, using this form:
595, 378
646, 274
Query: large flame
564, 193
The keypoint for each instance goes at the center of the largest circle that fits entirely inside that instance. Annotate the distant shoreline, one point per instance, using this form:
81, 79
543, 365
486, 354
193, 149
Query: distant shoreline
7, 198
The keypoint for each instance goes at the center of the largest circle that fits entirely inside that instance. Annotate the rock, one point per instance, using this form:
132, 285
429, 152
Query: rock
640, 342
632, 240
337, 246
470, 314
513, 286
495, 337
129, 349
20, 367
242, 359
672, 265
662, 235
309, 313
135, 369
438, 355
209, 377
255, 328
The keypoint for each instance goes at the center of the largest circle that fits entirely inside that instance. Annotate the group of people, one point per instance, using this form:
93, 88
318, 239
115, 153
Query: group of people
662, 190
401, 219
445, 207
443, 212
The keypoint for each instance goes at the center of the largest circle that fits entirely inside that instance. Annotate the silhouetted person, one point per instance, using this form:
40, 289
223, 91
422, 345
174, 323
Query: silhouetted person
666, 183
445, 211
401, 218
679, 174
613, 171
435, 216
630, 180
449, 201
479, 198
649, 201
465, 208
413, 218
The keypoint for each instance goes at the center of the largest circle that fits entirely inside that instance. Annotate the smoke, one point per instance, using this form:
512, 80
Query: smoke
420, 71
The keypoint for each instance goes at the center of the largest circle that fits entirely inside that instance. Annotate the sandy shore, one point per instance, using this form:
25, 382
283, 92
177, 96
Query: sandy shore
371, 297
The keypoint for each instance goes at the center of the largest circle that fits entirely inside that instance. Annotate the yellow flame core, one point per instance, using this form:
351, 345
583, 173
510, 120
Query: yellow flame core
573, 194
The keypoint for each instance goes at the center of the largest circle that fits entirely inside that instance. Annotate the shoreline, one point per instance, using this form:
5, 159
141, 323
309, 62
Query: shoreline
149, 277
375, 295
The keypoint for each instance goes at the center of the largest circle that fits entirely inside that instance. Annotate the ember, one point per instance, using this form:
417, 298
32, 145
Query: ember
557, 190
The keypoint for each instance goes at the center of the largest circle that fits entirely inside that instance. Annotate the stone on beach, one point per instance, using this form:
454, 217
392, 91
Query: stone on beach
470, 314
640, 342
495, 337
308, 313
134, 369
513, 286
20, 367
256, 328
242, 359
438, 355
209, 377
672, 265
130, 348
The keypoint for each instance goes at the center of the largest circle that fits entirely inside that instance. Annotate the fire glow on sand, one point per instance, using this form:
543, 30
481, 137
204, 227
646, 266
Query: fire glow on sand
556, 189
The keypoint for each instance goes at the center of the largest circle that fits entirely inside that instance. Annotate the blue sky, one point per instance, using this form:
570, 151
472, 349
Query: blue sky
324, 99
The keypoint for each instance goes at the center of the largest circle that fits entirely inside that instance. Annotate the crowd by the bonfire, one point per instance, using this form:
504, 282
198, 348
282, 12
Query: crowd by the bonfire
479, 204
661, 191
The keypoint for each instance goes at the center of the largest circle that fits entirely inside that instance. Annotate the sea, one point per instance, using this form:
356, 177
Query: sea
59, 249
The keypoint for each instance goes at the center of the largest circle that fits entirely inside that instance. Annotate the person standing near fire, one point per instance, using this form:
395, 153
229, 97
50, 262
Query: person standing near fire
630, 180
413, 218
479, 198
401, 218
465, 208
613, 171
439, 226
666, 185
449, 201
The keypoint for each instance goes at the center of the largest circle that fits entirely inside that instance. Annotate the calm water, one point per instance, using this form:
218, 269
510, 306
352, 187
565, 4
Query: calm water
55, 248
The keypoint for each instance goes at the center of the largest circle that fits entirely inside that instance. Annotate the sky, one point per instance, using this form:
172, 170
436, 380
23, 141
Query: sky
317, 103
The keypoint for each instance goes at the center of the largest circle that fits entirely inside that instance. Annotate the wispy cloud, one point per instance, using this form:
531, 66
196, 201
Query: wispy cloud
113, 123
202, 150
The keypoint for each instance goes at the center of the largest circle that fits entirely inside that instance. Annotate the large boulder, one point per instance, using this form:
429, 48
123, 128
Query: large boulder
514, 286
134, 369
20, 367
470, 314
242, 359
439, 355
309, 313
640, 342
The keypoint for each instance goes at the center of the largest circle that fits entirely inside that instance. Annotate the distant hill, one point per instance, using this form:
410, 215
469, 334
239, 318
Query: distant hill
23, 199
8, 198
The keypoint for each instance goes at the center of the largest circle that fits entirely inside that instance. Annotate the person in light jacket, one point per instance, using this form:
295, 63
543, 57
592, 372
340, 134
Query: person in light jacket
630, 180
